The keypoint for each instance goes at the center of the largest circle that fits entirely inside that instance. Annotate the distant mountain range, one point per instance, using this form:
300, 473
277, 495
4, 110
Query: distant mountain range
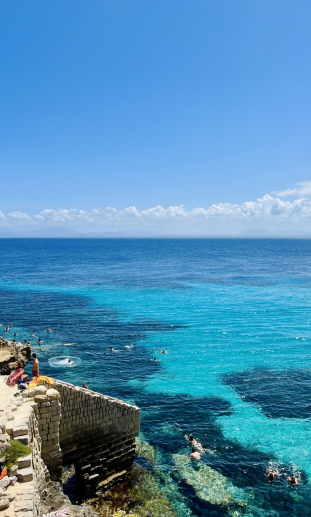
68, 233
266, 233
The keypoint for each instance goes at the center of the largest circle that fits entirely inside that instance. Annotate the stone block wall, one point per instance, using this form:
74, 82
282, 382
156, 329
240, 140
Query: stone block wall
96, 433
49, 417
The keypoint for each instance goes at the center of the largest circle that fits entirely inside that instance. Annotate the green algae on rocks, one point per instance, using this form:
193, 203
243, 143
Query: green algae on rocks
140, 495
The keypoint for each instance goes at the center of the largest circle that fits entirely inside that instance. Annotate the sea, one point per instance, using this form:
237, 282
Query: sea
234, 319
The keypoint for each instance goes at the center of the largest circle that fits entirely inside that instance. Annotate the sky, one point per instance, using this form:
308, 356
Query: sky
171, 116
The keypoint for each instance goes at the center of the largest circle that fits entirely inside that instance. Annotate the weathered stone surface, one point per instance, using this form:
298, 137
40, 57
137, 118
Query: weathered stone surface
52, 394
40, 398
40, 390
4, 483
11, 353
24, 475
24, 462
4, 503
20, 430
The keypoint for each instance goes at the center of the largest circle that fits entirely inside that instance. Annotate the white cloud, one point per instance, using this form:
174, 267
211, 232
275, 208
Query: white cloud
269, 212
302, 189
265, 207
18, 216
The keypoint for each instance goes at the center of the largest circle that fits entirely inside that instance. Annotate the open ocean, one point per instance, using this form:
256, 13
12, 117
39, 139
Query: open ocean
234, 317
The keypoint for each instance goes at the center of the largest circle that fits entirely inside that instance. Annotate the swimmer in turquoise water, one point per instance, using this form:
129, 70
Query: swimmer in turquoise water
195, 455
194, 442
293, 480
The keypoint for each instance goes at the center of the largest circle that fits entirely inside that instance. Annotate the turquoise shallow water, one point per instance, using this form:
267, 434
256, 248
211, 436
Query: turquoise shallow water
234, 318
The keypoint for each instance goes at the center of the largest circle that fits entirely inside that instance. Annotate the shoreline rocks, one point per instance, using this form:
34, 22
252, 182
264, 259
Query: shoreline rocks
10, 353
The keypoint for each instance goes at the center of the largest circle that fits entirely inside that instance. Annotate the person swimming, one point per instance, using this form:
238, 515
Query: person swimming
129, 346
195, 455
40, 341
194, 442
48, 329
164, 352
69, 361
293, 480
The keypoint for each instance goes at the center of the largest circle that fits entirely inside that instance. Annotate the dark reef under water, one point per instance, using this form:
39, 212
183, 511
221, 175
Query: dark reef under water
279, 393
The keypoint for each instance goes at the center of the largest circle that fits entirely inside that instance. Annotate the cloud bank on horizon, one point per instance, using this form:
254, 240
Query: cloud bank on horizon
271, 212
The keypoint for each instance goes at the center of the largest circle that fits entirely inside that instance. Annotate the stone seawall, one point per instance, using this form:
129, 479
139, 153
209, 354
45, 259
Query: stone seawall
94, 432
64, 424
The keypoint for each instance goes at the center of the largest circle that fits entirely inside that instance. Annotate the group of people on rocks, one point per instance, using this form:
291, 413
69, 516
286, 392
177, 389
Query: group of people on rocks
19, 376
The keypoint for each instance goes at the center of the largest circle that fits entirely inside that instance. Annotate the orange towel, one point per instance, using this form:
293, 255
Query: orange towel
36, 381
3, 473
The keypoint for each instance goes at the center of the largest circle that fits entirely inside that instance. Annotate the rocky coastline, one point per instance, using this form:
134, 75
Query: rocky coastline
62, 425
11, 353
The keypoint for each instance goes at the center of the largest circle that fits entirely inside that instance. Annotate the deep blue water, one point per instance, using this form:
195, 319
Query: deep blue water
234, 317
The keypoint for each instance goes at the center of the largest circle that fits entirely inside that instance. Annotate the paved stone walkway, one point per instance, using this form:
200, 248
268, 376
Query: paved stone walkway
15, 414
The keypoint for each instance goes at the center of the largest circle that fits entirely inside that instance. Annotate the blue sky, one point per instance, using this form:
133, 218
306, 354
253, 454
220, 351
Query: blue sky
154, 104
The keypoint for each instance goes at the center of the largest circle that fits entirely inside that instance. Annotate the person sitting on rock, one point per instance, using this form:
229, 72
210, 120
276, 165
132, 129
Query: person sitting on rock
17, 375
